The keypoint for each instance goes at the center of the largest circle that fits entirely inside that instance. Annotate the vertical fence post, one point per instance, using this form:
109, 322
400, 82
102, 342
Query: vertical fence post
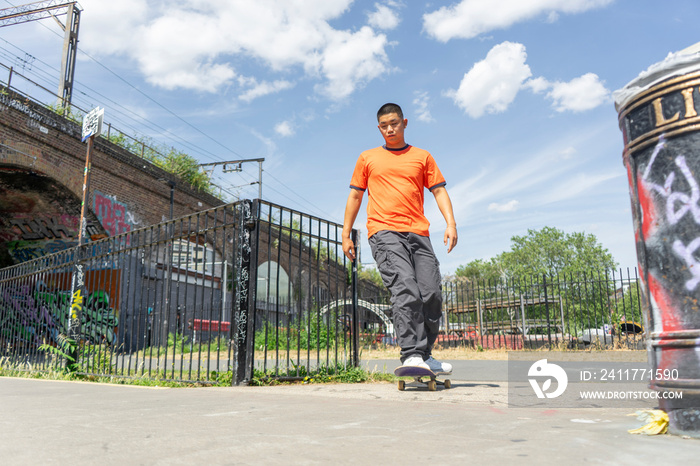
244, 302
524, 320
561, 313
480, 320
546, 309
355, 326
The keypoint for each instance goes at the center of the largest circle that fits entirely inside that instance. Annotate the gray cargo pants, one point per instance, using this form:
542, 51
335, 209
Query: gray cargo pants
411, 272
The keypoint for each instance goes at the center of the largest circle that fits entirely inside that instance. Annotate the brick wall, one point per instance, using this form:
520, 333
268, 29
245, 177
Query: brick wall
42, 165
43, 142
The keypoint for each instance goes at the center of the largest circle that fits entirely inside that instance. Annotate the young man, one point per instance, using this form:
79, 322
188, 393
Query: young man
395, 176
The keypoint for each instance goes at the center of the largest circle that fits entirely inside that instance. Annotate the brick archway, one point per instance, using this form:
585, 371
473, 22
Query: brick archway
38, 216
126, 191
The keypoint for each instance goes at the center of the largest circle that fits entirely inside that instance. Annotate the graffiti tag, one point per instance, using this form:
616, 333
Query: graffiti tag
41, 229
37, 316
678, 204
113, 215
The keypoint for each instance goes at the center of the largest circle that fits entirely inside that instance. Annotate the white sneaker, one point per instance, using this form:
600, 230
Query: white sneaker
416, 361
438, 367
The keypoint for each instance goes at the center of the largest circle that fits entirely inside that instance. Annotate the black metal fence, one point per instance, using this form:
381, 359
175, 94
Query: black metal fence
305, 288
222, 293
561, 311
253, 288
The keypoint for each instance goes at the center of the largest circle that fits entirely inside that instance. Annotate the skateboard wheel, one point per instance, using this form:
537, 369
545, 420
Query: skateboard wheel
432, 386
402, 385
448, 384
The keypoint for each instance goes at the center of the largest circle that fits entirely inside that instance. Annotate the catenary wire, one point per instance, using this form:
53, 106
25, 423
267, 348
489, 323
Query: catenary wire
44, 77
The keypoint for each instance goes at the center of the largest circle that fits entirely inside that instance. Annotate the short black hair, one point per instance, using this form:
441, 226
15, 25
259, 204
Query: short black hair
389, 108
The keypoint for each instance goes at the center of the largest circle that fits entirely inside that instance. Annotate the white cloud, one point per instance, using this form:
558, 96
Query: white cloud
568, 153
510, 206
579, 94
538, 85
284, 129
351, 59
492, 84
384, 17
577, 185
264, 88
422, 110
199, 44
108, 36
469, 18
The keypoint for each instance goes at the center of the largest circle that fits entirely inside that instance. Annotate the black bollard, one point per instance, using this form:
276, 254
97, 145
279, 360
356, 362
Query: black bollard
660, 122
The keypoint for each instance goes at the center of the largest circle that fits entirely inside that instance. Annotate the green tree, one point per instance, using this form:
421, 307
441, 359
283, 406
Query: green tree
372, 275
574, 265
551, 251
480, 270
628, 308
547, 262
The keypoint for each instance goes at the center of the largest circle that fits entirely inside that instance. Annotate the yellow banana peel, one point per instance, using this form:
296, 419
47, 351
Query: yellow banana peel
656, 422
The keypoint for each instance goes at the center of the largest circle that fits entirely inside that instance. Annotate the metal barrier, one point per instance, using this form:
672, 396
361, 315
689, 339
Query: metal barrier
305, 294
568, 312
260, 272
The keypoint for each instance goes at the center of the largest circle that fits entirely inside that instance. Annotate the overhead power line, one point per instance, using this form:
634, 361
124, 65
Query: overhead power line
128, 117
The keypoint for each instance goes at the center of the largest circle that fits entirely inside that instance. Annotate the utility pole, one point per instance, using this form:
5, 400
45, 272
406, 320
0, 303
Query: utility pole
70, 50
53, 9
238, 168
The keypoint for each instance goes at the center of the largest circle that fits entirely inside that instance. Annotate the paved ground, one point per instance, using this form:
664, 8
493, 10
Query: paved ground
48, 422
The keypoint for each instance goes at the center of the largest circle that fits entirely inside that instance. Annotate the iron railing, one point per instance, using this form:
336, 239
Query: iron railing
240, 288
304, 292
255, 289
571, 311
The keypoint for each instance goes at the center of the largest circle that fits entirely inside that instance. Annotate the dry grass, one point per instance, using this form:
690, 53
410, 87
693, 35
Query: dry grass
447, 354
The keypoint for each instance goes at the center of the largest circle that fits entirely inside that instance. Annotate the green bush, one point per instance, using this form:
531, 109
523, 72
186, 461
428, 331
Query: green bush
300, 335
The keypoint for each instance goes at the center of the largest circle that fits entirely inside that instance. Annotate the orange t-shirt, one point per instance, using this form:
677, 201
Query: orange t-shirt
395, 180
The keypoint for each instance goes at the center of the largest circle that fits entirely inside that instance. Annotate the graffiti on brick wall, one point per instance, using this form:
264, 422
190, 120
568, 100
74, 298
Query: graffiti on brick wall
31, 228
42, 118
113, 215
38, 314
35, 226
22, 251
32, 236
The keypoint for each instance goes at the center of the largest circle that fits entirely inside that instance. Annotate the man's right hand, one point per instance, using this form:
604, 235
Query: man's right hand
349, 248
351, 209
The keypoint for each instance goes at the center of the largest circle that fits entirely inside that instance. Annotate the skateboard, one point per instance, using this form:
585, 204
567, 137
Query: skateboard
418, 373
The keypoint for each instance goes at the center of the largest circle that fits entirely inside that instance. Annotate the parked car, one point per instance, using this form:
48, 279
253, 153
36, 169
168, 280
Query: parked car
627, 330
603, 335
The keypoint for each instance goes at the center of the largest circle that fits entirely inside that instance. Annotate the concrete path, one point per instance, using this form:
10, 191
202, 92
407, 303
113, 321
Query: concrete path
68, 423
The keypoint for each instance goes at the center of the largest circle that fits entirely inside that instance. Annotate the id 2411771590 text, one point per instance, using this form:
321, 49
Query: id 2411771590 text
627, 375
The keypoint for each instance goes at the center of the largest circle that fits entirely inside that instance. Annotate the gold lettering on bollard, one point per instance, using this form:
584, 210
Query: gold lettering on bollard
660, 120
689, 103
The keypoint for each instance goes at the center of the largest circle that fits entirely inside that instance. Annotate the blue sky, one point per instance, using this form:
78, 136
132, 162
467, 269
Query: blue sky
512, 97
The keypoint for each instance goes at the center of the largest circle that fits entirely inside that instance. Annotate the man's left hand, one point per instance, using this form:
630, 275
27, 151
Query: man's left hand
450, 238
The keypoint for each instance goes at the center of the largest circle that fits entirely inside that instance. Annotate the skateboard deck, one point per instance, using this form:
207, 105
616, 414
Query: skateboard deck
418, 373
